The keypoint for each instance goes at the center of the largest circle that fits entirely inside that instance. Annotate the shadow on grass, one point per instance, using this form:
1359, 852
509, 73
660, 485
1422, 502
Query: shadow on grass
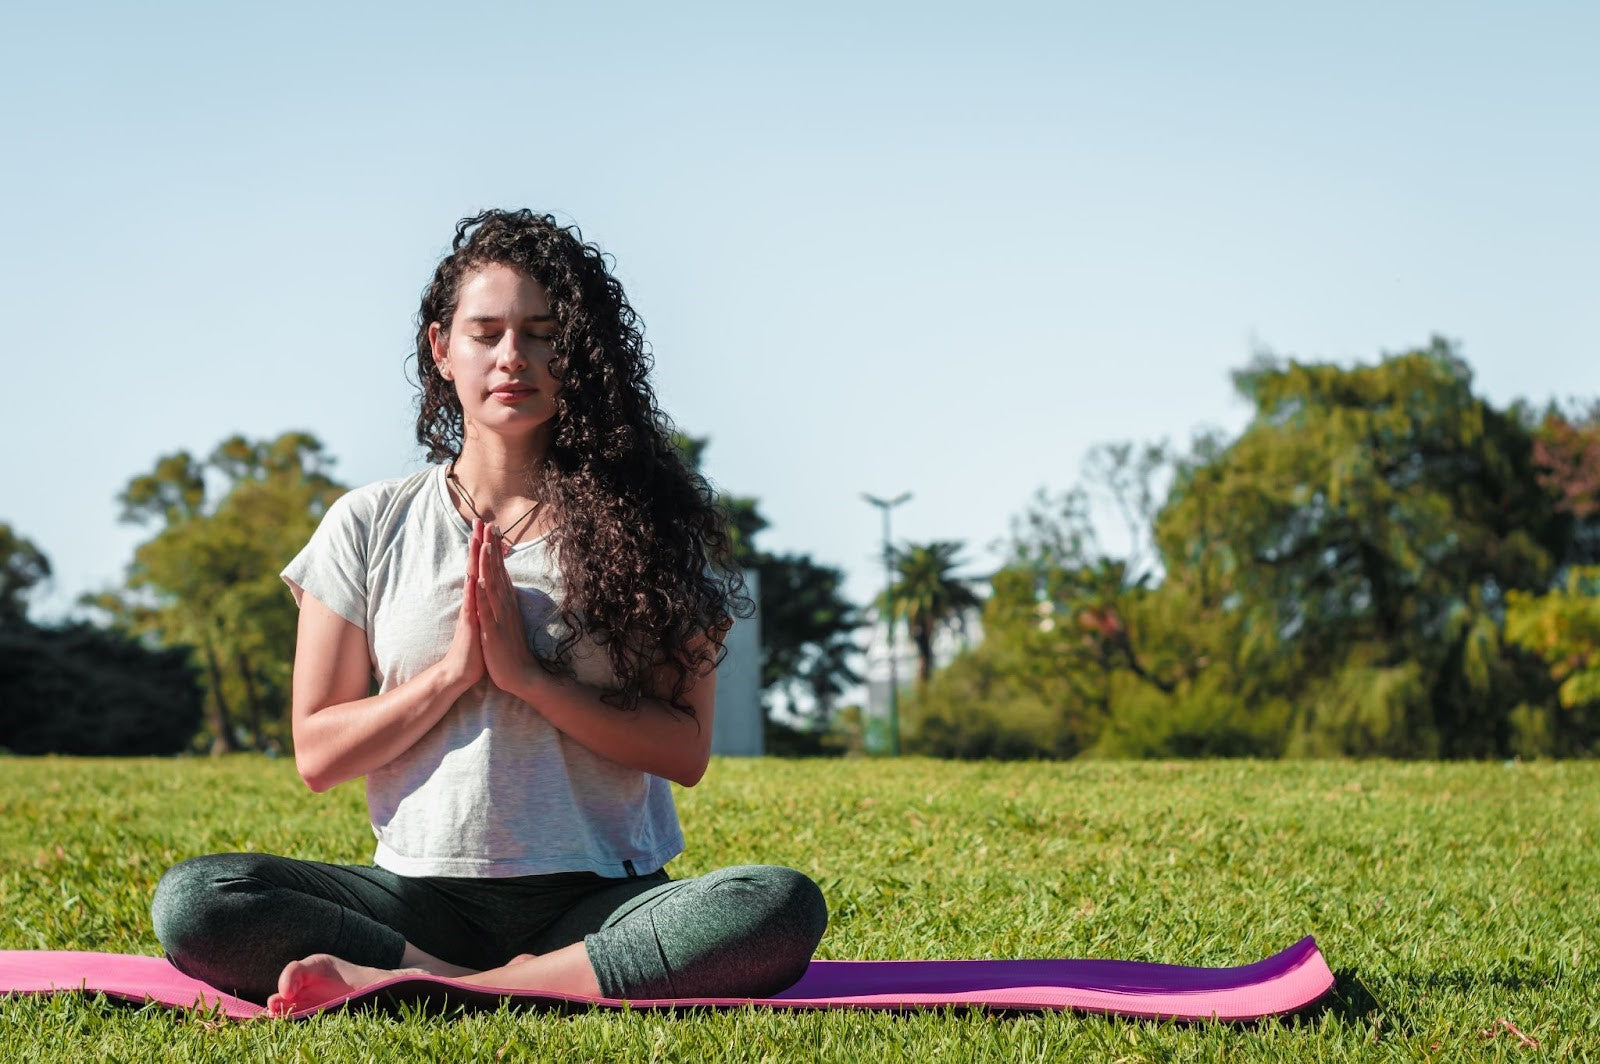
1350, 999
1522, 977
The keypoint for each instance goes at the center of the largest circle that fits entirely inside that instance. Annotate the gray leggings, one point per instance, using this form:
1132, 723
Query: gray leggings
234, 920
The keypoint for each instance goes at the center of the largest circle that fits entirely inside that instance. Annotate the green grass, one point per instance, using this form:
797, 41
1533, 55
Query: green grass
1444, 896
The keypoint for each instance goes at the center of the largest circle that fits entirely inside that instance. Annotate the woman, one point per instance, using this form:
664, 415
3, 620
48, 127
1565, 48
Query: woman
543, 609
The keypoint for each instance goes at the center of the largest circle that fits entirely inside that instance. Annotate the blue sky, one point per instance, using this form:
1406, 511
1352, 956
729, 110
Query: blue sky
936, 248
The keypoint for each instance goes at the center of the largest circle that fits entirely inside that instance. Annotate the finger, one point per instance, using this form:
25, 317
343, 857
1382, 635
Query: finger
501, 573
480, 583
469, 597
472, 551
488, 607
497, 565
505, 595
506, 598
504, 575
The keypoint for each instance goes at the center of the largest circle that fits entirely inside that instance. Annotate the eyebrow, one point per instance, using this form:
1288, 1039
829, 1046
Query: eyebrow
489, 319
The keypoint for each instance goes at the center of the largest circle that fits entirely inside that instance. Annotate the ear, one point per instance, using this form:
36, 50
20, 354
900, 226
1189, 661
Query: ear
439, 341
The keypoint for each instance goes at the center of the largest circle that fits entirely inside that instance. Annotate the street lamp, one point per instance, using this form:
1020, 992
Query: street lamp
888, 571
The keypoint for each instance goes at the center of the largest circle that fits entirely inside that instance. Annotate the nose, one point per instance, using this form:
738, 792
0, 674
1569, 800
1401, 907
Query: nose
513, 350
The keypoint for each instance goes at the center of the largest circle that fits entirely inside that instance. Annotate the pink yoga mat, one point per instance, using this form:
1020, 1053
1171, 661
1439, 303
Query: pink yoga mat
1281, 983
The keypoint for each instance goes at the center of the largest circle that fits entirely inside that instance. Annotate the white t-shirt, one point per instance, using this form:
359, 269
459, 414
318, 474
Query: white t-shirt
493, 789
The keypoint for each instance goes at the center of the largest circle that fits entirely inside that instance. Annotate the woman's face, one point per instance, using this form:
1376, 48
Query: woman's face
498, 353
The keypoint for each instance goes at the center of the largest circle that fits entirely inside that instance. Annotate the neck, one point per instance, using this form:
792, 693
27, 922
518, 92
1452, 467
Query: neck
499, 472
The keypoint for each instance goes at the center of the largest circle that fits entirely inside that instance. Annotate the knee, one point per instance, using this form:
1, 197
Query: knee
786, 916
197, 899
796, 903
180, 896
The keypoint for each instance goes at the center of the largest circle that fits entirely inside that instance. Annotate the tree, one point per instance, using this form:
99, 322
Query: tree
928, 594
1081, 591
208, 577
1563, 628
1132, 477
806, 633
1069, 632
75, 689
23, 567
1093, 608
1361, 535
1362, 571
1566, 452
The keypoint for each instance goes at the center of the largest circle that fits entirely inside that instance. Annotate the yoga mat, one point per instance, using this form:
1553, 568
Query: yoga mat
1281, 983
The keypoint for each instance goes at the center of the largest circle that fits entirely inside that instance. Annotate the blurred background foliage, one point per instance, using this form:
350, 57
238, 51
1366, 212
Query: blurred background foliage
1380, 564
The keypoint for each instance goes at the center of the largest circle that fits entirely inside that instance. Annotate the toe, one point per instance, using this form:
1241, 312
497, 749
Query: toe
288, 979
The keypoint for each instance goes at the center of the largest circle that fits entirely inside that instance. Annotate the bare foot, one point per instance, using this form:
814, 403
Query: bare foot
322, 977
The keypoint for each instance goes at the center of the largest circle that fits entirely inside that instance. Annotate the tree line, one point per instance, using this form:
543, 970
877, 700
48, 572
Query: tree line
1381, 563
194, 651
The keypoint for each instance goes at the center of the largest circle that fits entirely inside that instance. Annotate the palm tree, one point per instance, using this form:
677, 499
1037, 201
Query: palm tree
928, 594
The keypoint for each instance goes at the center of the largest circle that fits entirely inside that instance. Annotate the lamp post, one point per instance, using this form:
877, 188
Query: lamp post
888, 571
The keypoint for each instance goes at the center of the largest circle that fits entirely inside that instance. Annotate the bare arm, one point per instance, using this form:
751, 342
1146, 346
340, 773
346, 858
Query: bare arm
339, 734
654, 738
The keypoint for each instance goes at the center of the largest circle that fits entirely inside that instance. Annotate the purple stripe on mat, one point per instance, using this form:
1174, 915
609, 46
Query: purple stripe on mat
1281, 983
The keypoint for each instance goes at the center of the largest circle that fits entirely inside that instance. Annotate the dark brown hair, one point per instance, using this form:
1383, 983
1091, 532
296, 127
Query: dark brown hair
641, 543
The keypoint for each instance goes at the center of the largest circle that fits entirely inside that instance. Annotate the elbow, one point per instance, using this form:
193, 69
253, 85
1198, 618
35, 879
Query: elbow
311, 757
694, 770
314, 771
314, 777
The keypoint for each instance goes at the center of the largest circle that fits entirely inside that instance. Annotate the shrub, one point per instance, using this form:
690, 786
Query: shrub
83, 690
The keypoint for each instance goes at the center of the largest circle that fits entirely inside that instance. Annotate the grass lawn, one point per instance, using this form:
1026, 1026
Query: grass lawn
1446, 898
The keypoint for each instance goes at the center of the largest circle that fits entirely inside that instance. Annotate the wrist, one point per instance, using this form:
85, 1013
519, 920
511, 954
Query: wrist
449, 683
530, 680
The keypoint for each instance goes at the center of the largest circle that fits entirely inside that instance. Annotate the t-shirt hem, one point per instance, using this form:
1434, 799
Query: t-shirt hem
643, 863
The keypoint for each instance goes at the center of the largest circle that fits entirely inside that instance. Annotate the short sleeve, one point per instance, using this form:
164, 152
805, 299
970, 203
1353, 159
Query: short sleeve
332, 566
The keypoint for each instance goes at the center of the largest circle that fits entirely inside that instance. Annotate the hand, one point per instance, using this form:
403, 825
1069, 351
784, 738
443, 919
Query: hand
463, 662
504, 641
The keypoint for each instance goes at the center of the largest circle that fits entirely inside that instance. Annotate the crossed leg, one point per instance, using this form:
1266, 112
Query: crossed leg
239, 921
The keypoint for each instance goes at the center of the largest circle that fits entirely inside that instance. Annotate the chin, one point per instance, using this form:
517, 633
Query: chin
518, 423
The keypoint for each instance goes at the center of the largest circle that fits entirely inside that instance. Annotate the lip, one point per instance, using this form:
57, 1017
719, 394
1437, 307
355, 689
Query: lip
513, 393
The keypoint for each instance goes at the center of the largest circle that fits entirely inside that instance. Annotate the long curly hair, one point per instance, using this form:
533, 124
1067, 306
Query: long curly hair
642, 545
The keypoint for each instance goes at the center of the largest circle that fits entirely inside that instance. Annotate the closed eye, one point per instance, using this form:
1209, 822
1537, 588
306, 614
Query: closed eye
494, 338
